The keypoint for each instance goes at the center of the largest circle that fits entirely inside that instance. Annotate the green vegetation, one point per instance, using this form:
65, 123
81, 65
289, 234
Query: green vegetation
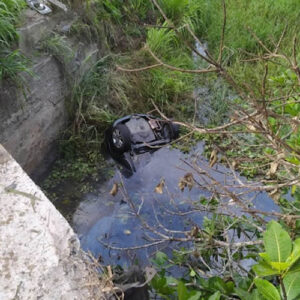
11, 61
11, 64
9, 11
57, 46
267, 19
279, 263
255, 73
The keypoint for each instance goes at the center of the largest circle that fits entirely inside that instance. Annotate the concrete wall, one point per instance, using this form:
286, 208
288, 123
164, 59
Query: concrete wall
40, 256
32, 118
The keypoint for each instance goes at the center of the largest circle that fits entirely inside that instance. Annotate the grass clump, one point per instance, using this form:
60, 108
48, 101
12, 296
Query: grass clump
267, 19
56, 45
9, 12
12, 62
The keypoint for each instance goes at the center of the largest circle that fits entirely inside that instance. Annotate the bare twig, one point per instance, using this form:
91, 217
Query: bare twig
139, 69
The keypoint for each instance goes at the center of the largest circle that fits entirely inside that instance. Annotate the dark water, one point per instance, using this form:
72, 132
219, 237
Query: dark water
120, 220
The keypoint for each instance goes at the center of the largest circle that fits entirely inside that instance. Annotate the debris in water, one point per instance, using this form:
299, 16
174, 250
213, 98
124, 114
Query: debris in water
114, 189
186, 181
213, 158
159, 188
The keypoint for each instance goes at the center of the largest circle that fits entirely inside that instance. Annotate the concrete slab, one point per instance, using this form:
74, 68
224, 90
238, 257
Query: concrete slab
40, 256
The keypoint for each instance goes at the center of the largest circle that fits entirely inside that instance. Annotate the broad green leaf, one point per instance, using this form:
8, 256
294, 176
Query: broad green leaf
182, 291
264, 269
242, 282
293, 190
194, 295
255, 295
171, 280
215, 296
217, 283
244, 295
280, 266
293, 160
265, 256
267, 289
295, 268
295, 253
292, 285
192, 273
229, 287
159, 283
160, 258
277, 242
185, 294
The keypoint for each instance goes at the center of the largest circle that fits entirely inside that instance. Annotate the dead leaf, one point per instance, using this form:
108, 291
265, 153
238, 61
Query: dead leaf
109, 271
181, 184
114, 189
186, 181
273, 169
213, 158
159, 188
194, 231
294, 125
234, 164
275, 195
251, 127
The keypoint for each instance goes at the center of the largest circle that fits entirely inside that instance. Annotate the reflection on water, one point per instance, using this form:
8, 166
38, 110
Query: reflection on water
105, 219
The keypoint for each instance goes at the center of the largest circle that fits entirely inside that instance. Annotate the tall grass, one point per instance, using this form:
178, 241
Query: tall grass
98, 98
266, 18
11, 62
9, 11
174, 9
57, 46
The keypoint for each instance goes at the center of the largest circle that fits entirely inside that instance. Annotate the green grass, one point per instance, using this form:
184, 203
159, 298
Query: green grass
9, 12
97, 99
12, 62
266, 18
57, 46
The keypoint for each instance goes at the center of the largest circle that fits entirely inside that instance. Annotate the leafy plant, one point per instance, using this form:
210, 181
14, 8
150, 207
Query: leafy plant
281, 259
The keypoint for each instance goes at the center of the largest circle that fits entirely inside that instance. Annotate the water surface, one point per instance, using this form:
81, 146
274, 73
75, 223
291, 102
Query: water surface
118, 220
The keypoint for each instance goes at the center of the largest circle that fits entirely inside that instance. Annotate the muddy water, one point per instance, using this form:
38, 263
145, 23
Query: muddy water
119, 221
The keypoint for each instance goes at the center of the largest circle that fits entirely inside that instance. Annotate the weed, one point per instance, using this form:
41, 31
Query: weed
57, 46
9, 12
11, 62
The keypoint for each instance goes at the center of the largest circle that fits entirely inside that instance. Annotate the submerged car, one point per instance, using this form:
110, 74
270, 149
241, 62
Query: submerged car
136, 134
140, 133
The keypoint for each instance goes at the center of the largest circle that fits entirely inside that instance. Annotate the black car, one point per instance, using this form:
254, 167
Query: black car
138, 133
